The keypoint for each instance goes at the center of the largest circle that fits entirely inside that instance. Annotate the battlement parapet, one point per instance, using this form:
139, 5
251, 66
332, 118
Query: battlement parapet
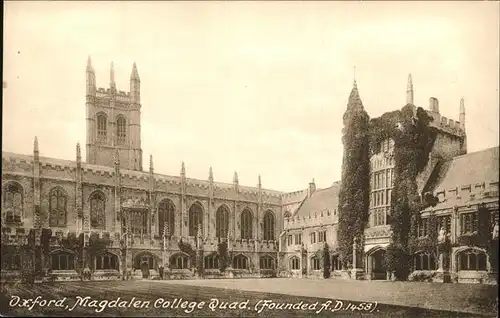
325, 217
293, 197
446, 124
469, 192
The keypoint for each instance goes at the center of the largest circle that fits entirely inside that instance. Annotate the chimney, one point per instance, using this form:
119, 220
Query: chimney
434, 105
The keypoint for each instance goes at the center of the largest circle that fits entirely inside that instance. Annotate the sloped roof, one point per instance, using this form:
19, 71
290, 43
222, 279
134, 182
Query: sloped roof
320, 201
472, 168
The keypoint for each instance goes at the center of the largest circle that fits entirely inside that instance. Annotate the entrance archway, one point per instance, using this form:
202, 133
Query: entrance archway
145, 262
376, 264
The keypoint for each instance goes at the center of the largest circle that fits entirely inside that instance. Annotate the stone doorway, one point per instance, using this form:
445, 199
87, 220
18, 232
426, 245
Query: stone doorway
377, 268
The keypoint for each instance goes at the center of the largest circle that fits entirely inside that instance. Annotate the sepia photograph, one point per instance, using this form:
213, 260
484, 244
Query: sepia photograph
250, 159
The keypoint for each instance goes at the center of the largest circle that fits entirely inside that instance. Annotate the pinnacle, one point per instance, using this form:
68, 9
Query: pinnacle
89, 65
35, 144
134, 74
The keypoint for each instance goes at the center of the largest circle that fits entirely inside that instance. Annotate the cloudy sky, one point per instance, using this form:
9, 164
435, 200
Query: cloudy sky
252, 87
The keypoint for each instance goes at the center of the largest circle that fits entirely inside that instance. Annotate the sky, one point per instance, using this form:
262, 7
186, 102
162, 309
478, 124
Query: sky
253, 87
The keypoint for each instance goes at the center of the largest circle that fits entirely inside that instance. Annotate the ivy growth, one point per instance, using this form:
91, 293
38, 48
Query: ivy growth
96, 245
326, 262
413, 141
354, 189
186, 248
223, 256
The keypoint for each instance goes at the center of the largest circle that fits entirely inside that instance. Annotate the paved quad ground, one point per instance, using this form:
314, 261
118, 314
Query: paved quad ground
395, 299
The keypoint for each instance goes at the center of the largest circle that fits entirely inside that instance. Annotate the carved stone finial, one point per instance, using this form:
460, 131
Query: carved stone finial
78, 152
151, 162
199, 230
35, 145
235, 178
210, 174
166, 229
183, 169
117, 157
260, 182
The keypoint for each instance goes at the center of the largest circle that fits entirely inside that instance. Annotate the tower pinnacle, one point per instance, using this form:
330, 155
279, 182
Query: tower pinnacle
78, 152
134, 75
89, 65
462, 113
409, 91
35, 145
112, 76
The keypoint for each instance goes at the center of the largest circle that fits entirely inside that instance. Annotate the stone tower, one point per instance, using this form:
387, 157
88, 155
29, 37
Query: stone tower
113, 121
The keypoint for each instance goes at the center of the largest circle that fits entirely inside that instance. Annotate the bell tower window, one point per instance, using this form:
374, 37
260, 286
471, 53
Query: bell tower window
101, 128
120, 131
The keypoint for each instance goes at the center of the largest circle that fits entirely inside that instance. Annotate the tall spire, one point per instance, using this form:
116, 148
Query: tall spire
354, 101
135, 74
183, 169
210, 174
151, 163
260, 182
89, 65
112, 76
409, 91
354, 84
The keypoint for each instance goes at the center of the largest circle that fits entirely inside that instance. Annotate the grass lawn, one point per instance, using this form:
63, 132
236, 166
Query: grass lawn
127, 294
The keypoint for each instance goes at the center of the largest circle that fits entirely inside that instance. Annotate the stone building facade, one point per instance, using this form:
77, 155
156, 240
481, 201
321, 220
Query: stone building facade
106, 218
143, 215
464, 184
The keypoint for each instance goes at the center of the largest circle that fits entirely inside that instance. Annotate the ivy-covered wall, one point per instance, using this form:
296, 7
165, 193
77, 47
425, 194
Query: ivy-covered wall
413, 141
354, 189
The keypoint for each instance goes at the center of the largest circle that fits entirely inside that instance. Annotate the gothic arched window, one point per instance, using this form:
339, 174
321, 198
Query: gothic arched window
269, 226
121, 132
222, 222
472, 260
102, 126
63, 261
336, 263
179, 261
315, 263
106, 261
57, 207
267, 262
294, 263
97, 210
195, 218
246, 224
240, 262
424, 261
211, 261
166, 215
13, 202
